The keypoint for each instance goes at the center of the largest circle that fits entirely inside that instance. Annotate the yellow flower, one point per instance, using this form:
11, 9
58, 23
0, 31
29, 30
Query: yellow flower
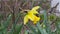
31, 15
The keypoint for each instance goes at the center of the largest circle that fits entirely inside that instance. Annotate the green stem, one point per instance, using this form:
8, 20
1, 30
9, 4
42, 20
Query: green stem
46, 22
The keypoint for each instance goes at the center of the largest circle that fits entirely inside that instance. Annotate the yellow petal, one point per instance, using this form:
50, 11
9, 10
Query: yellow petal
36, 19
25, 19
33, 11
31, 17
36, 7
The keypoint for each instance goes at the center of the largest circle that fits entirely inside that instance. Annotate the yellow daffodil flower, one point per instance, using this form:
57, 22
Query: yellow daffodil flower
31, 15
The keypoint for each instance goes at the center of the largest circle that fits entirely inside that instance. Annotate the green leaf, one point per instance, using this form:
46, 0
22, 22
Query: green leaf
5, 24
58, 25
46, 22
26, 32
52, 17
1, 16
43, 31
15, 30
18, 28
32, 28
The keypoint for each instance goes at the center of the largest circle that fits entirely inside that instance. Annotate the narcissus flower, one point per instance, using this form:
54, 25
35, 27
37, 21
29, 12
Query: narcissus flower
31, 15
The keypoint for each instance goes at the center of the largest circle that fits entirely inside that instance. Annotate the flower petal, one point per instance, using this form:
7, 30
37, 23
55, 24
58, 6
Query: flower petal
31, 17
25, 19
34, 10
36, 19
36, 7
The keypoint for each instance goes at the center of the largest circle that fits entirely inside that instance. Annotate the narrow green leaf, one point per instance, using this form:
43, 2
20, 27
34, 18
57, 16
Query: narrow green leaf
5, 24
43, 31
46, 22
32, 28
26, 32
18, 28
16, 31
